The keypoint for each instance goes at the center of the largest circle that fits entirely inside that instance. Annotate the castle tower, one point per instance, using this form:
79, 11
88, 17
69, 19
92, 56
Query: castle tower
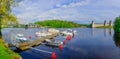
105, 23
110, 23
93, 24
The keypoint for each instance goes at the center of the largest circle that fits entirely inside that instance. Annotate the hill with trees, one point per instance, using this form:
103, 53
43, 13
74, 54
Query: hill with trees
58, 24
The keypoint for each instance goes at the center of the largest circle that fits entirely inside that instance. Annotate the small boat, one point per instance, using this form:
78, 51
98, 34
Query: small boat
42, 34
53, 42
73, 31
52, 30
46, 33
68, 32
21, 38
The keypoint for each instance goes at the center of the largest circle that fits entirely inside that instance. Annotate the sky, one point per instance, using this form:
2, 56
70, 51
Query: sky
79, 11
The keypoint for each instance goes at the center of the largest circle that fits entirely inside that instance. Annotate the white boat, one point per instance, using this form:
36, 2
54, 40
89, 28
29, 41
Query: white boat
69, 32
53, 42
52, 30
73, 31
21, 38
42, 34
45, 33
66, 33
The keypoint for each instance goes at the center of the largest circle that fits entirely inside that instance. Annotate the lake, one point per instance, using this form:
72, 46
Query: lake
88, 43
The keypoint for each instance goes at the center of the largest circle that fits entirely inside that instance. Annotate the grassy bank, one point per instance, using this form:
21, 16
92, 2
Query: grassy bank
105, 27
6, 53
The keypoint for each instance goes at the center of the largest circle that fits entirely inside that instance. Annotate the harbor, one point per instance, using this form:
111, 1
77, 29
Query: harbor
81, 45
59, 29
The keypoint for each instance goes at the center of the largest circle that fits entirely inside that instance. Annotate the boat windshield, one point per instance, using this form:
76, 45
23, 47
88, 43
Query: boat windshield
69, 31
21, 36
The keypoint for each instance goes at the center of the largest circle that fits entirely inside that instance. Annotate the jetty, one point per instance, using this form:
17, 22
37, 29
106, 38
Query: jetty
38, 41
27, 45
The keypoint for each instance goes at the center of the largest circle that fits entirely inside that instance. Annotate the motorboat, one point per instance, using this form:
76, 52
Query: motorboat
52, 30
73, 31
53, 42
21, 38
68, 32
42, 34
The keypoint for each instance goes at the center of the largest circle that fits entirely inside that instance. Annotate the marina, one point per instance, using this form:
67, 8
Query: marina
85, 44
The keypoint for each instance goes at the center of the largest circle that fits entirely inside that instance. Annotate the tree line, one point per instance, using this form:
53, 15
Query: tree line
57, 24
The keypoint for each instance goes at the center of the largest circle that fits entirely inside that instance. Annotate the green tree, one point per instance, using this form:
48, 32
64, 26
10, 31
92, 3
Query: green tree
117, 25
5, 13
57, 24
5, 18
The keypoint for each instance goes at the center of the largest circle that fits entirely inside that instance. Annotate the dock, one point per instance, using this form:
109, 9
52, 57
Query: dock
27, 45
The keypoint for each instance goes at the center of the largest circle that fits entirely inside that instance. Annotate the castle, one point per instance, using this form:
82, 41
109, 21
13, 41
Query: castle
93, 24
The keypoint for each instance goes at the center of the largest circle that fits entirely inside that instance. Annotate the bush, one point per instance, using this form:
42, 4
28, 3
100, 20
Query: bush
117, 25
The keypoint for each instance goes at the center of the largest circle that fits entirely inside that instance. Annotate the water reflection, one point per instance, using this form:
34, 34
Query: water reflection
110, 31
105, 31
117, 39
92, 32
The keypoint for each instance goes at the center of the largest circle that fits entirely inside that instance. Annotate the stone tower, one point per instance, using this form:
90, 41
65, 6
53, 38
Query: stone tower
105, 23
110, 23
92, 24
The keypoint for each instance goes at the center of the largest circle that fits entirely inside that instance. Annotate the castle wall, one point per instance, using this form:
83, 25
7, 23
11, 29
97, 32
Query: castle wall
101, 24
98, 25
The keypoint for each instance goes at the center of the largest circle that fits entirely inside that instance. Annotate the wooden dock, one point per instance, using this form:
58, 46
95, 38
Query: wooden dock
27, 45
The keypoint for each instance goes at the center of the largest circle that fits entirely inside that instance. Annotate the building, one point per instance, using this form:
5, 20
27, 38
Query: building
93, 24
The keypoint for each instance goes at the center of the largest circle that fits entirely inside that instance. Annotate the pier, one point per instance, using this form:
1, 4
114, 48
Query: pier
27, 45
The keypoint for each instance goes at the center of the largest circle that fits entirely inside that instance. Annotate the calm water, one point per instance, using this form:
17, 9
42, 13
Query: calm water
87, 44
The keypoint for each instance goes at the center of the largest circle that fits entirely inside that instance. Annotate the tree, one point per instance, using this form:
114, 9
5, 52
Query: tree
5, 18
117, 25
5, 13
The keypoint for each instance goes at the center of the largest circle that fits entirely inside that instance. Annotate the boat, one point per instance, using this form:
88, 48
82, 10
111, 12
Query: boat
73, 31
52, 30
42, 34
68, 32
21, 38
46, 33
53, 42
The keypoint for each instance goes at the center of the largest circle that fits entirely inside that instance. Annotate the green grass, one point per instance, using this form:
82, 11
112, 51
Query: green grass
105, 27
6, 53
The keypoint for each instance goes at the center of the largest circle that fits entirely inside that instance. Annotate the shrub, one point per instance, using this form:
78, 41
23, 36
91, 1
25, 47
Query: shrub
117, 25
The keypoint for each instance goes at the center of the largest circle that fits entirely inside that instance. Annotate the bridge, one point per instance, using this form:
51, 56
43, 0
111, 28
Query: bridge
93, 24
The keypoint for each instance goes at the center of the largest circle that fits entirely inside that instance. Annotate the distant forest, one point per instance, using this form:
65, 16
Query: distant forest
59, 24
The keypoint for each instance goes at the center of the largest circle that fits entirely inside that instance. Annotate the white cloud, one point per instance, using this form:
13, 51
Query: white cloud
98, 10
106, 4
73, 4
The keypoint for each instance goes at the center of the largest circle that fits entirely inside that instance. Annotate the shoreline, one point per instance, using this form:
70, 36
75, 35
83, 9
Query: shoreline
7, 53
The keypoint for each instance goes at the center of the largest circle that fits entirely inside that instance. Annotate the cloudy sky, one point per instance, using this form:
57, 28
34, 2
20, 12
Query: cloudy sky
80, 11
